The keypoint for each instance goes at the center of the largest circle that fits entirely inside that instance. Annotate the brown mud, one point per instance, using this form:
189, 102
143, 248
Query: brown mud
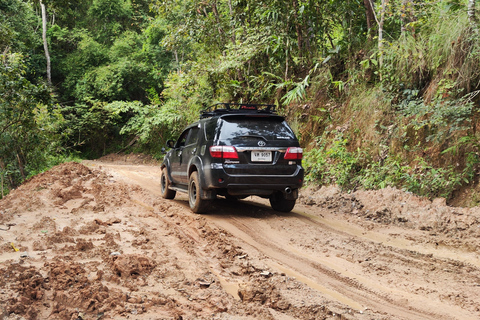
96, 241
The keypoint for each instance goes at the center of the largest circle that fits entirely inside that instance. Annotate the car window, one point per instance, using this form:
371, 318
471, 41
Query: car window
210, 129
271, 128
192, 136
182, 139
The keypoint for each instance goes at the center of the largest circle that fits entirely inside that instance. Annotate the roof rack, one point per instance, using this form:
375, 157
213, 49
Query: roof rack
224, 108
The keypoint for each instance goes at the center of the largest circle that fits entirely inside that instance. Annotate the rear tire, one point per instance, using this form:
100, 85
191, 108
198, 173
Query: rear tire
279, 203
197, 204
164, 184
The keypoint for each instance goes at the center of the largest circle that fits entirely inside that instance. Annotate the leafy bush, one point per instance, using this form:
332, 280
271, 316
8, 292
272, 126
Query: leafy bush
334, 164
423, 179
152, 124
28, 122
89, 129
442, 117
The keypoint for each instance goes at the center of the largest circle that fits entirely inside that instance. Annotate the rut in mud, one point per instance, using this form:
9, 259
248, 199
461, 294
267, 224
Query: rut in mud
96, 241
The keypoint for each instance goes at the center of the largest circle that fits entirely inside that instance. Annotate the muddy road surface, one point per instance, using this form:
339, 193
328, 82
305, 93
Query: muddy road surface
96, 241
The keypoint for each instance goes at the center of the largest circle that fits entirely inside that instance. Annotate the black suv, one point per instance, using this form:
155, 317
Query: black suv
235, 150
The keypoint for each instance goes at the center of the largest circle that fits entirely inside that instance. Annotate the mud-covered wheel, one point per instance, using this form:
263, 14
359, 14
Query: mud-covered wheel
279, 203
164, 183
197, 204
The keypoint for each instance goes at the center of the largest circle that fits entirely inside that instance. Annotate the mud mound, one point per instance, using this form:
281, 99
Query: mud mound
132, 266
66, 287
129, 158
56, 213
397, 207
70, 186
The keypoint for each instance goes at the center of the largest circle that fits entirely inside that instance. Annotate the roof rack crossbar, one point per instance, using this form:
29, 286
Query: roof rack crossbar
224, 108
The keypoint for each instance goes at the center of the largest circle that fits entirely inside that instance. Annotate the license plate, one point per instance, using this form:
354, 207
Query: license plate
261, 156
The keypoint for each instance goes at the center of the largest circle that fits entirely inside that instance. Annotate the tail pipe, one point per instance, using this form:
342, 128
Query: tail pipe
288, 190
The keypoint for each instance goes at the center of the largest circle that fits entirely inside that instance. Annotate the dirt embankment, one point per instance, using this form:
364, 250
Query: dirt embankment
95, 241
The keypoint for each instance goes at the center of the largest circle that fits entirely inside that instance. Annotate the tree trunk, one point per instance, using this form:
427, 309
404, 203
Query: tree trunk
221, 33
2, 172
20, 166
175, 53
370, 15
230, 8
471, 12
45, 43
380, 34
298, 29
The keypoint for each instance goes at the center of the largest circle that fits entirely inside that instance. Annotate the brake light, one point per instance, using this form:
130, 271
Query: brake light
224, 152
293, 153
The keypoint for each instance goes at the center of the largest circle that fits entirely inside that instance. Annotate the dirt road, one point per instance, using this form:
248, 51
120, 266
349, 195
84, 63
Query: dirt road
96, 241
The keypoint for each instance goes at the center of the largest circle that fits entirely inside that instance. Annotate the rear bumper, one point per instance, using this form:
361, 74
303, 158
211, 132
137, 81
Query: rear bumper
265, 190
261, 185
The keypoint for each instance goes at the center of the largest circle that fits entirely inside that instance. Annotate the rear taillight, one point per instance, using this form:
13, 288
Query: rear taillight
223, 152
293, 153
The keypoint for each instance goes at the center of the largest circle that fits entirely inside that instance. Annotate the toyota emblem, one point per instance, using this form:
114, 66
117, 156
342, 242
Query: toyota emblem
261, 143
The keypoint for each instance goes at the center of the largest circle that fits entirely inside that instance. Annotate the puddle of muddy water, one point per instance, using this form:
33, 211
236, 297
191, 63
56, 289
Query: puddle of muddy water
230, 287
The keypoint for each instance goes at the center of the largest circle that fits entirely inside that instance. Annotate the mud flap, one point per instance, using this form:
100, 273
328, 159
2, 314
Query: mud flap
208, 194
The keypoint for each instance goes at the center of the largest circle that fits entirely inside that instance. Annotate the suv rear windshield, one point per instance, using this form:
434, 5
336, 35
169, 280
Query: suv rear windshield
270, 128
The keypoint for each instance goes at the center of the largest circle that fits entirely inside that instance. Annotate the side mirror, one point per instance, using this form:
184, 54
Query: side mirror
170, 144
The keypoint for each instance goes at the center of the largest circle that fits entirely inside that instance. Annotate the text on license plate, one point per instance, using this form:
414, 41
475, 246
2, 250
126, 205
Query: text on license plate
262, 156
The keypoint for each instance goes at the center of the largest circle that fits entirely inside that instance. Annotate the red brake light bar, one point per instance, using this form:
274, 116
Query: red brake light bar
244, 107
293, 153
224, 152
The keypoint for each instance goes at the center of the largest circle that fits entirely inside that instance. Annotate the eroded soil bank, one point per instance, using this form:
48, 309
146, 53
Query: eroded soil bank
96, 241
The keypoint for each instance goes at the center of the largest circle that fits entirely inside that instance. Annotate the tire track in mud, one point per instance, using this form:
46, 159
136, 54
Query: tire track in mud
403, 245
249, 222
316, 274
253, 223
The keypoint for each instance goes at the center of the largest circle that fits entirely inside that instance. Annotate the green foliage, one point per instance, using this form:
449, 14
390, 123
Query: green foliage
89, 128
123, 71
112, 54
141, 69
20, 33
88, 55
244, 45
18, 24
352, 170
423, 179
188, 93
297, 93
152, 124
109, 18
334, 163
440, 44
378, 175
442, 118
27, 122
432, 182
405, 62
